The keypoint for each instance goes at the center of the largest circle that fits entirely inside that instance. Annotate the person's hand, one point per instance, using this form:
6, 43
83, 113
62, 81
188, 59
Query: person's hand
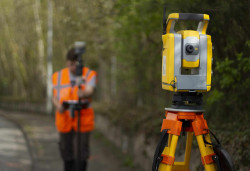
80, 93
86, 93
60, 108
80, 80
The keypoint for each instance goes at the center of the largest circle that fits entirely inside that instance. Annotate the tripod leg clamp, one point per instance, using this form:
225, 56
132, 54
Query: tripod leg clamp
208, 159
200, 126
166, 159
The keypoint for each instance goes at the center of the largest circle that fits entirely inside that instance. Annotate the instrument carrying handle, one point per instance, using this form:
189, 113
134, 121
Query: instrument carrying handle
173, 17
192, 16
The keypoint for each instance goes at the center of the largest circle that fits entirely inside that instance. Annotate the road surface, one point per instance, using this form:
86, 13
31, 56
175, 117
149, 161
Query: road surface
29, 142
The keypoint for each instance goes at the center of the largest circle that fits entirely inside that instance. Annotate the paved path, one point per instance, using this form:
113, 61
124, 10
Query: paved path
43, 139
14, 155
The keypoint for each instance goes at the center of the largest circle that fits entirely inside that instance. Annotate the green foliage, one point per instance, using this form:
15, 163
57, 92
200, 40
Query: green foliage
229, 99
138, 49
234, 72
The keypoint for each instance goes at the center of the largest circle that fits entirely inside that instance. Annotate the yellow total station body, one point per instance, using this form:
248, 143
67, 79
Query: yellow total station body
186, 55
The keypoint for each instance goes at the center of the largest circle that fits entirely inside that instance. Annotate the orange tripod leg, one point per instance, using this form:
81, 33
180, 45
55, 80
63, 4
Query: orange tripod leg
201, 132
173, 125
169, 154
207, 152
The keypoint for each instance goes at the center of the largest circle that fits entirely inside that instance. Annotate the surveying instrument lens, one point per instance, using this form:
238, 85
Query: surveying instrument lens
186, 71
189, 48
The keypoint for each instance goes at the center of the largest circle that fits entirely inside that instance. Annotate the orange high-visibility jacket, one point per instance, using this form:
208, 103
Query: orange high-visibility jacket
63, 91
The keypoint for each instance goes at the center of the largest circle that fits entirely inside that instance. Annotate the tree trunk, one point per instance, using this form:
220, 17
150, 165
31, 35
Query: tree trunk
49, 60
40, 42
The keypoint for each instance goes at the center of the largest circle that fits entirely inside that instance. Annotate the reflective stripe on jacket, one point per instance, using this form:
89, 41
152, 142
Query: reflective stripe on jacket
64, 90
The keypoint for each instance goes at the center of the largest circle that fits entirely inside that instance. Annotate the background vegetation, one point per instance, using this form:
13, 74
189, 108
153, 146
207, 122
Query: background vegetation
124, 45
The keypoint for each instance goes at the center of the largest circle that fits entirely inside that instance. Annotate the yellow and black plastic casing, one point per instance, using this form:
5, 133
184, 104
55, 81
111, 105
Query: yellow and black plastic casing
186, 55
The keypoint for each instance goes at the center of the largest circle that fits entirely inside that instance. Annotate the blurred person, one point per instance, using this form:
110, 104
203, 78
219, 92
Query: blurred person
65, 88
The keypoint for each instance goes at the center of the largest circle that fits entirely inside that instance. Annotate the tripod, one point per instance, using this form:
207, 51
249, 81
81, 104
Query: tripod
73, 106
186, 116
79, 51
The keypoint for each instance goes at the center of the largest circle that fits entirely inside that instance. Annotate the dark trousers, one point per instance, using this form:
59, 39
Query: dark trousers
68, 149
